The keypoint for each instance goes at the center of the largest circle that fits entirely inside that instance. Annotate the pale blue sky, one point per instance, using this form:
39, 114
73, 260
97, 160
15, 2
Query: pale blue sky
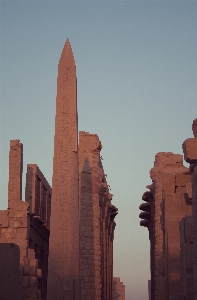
137, 89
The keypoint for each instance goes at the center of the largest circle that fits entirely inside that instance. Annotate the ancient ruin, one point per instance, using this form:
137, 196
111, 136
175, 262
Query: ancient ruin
59, 245
118, 289
170, 214
24, 231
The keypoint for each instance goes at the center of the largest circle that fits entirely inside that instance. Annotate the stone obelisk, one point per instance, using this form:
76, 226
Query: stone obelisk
63, 271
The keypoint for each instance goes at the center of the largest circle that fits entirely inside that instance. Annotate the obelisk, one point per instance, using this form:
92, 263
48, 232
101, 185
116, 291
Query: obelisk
63, 270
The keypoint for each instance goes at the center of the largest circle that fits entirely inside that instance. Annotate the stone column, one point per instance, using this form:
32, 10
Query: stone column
15, 173
18, 221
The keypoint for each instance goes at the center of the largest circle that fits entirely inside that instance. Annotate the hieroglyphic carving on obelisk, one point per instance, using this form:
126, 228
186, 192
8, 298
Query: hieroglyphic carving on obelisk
63, 272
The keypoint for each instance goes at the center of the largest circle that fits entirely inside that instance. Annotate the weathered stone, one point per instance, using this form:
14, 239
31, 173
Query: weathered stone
10, 281
194, 128
118, 289
96, 222
64, 233
167, 206
190, 150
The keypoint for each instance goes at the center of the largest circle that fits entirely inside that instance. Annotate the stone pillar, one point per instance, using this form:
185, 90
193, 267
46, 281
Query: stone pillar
63, 274
18, 221
15, 173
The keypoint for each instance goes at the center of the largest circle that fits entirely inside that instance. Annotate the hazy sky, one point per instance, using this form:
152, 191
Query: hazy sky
137, 89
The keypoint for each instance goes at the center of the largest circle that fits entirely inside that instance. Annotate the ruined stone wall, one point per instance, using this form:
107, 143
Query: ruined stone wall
18, 221
19, 225
118, 289
149, 289
96, 222
27, 225
167, 203
186, 245
194, 212
147, 215
188, 225
10, 280
170, 214
38, 195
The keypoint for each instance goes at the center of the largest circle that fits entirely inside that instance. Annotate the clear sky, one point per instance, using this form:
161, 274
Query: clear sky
137, 89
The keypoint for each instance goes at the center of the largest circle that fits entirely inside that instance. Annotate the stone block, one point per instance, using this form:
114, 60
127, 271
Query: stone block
26, 293
33, 262
31, 254
22, 243
33, 292
25, 281
21, 233
190, 150
182, 179
21, 270
189, 229
31, 271
4, 218
38, 273
168, 183
32, 281
21, 221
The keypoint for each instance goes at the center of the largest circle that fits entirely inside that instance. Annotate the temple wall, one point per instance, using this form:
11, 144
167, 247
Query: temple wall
96, 222
90, 250
194, 212
186, 244
188, 226
170, 214
27, 225
20, 225
10, 280
38, 194
168, 204
176, 205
